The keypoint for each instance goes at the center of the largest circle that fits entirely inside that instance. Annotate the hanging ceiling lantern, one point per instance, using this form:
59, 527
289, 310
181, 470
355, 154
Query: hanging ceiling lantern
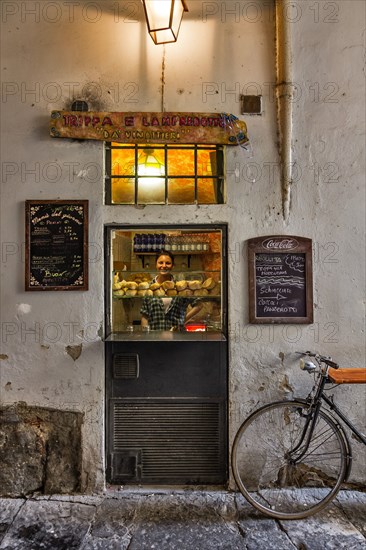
164, 18
149, 165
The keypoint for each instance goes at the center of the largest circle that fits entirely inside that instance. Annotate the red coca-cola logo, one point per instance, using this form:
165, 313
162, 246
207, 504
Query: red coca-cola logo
280, 244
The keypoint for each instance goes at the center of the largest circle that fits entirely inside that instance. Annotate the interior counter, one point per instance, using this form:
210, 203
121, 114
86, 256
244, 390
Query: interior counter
165, 336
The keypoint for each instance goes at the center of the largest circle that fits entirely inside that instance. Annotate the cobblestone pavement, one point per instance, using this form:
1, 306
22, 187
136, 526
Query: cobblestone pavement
174, 520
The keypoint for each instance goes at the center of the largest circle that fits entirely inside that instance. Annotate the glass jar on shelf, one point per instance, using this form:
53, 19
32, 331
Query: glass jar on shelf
174, 244
168, 243
144, 243
161, 242
137, 243
193, 243
183, 244
206, 243
178, 239
186, 244
150, 243
199, 243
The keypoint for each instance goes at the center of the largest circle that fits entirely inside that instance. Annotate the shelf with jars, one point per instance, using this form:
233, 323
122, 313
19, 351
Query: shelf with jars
188, 243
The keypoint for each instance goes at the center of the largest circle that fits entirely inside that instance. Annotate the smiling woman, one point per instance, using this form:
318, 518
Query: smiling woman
164, 174
168, 313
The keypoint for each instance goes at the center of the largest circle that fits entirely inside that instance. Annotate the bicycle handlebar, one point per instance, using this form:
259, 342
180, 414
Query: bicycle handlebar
322, 358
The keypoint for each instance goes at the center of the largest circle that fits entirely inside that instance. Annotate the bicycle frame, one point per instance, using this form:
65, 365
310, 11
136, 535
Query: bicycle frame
315, 406
344, 419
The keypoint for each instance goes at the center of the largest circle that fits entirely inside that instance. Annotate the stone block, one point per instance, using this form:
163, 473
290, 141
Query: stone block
40, 450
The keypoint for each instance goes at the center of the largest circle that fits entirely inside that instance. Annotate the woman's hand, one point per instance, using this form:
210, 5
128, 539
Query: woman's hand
144, 321
192, 312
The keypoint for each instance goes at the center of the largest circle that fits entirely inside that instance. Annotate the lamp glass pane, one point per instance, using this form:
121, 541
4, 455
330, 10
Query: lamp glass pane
177, 17
163, 37
151, 162
158, 13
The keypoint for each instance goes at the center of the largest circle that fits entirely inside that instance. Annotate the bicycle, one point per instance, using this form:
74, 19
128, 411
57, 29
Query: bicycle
290, 458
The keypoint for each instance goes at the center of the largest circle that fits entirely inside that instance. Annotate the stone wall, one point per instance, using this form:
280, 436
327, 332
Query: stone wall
40, 451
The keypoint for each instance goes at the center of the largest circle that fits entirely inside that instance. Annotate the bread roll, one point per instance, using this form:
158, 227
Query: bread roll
149, 293
181, 285
131, 285
141, 292
201, 292
143, 286
119, 293
168, 285
171, 292
131, 292
194, 285
159, 292
154, 286
209, 283
215, 291
137, 277
185, 292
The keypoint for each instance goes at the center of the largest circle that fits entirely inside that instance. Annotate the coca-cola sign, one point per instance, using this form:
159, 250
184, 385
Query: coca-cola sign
280, 279
280, 243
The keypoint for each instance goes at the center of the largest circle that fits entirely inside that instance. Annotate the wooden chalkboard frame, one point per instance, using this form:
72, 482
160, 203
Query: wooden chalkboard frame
47, 208
280, 244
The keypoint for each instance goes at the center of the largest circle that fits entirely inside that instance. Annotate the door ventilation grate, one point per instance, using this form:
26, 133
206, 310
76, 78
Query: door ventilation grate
126, 366
179, 442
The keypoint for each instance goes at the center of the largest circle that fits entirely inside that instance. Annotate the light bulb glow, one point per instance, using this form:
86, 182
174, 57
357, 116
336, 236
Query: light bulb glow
150, 168
149, 164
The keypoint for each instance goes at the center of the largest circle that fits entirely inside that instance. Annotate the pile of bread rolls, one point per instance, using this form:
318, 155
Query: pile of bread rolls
209, 287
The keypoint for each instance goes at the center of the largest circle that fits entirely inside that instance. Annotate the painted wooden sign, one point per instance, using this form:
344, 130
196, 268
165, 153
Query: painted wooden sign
56, 254
280, 280
206, 128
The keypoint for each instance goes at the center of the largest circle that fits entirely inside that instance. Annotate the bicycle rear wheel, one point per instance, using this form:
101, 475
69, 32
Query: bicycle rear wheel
270, 479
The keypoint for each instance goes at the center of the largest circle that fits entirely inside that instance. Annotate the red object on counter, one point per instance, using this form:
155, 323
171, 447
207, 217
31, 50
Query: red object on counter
195, 327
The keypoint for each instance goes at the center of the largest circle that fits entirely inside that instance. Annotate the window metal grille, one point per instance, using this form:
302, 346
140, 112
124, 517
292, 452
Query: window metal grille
186, 174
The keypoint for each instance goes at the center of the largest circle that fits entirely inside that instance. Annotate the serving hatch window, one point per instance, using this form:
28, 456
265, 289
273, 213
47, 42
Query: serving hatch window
164, 174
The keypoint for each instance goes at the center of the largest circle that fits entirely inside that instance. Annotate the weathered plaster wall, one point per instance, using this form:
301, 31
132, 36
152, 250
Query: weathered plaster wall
55, 52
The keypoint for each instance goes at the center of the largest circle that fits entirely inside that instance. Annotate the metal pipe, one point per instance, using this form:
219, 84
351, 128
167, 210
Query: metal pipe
284, 95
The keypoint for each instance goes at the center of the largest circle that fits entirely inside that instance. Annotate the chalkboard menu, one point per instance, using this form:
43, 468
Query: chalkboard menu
280, 280
56, 256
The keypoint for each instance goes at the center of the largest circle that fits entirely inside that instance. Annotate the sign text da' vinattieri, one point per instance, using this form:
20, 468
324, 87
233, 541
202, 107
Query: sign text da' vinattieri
205, 128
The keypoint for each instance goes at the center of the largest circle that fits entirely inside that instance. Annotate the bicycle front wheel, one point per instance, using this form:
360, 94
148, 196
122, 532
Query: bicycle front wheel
274, 468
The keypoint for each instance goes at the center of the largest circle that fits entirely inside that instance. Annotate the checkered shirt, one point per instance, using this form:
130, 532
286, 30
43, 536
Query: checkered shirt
153, 309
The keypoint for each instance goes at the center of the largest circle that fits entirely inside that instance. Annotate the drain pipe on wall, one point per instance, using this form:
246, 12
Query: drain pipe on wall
284, 95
